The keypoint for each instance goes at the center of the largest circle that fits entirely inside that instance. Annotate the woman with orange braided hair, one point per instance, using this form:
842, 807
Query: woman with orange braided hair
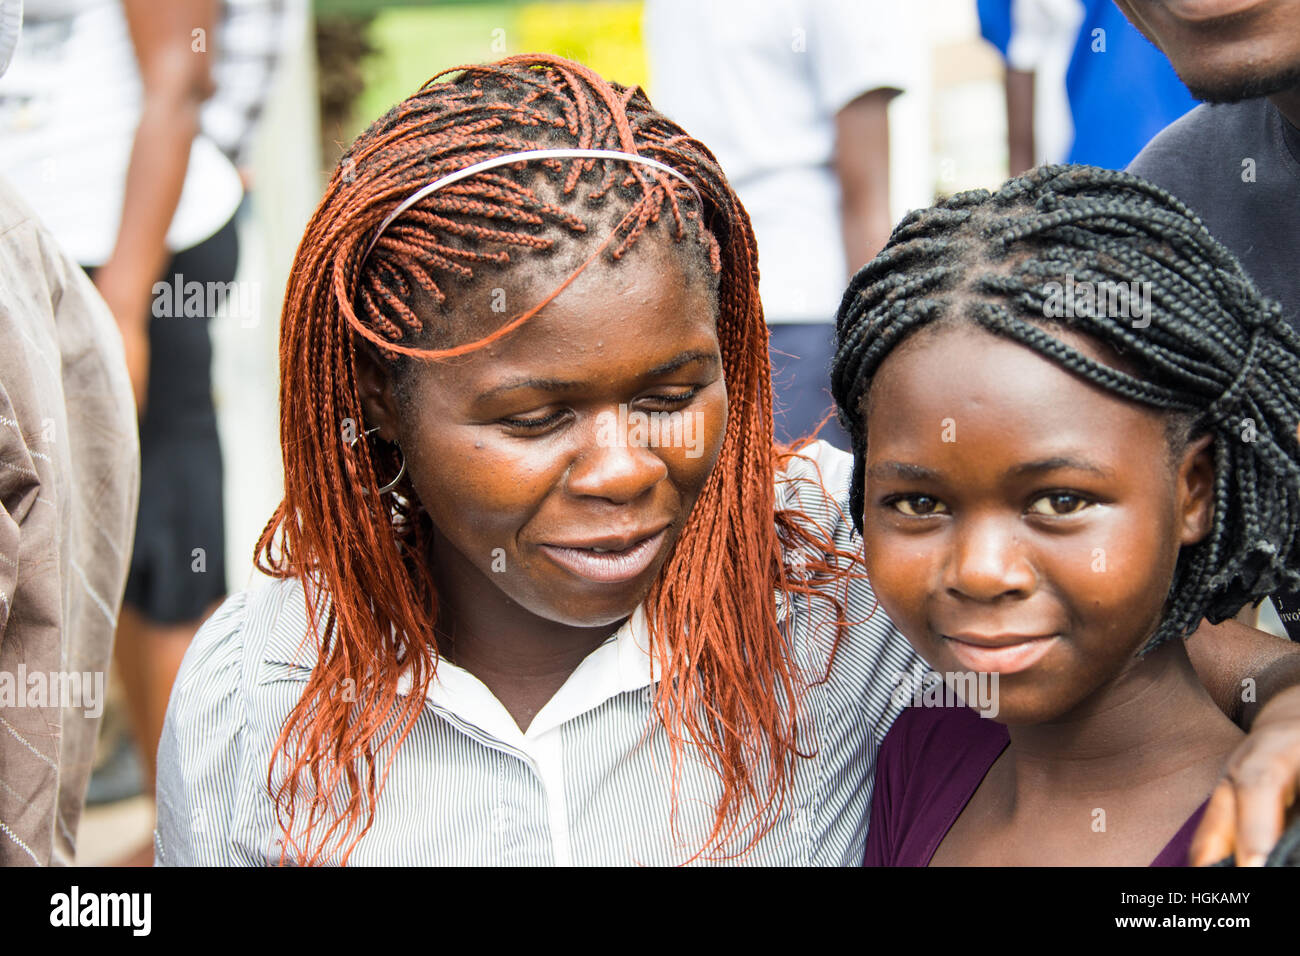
526, 554
545, 591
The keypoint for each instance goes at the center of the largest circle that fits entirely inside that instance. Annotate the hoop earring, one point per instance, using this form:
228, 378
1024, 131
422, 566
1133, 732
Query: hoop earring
400, 472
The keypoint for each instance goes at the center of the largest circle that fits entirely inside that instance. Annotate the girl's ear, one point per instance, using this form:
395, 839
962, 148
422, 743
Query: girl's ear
375, 389
1196, 490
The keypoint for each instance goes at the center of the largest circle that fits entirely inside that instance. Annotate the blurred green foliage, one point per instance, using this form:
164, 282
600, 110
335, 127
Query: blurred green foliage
414, 41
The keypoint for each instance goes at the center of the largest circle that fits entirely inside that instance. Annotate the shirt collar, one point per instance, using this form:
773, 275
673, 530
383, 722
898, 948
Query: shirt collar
622, 664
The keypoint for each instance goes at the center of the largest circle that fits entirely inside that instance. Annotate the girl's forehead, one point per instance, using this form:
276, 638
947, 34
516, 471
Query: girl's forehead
994, 388
956, 343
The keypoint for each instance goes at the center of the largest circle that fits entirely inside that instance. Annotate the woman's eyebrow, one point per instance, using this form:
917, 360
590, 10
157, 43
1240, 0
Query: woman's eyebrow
537, 384
561, 385
686, 358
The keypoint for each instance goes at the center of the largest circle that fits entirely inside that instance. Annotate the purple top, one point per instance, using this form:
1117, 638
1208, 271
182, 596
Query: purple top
931, 763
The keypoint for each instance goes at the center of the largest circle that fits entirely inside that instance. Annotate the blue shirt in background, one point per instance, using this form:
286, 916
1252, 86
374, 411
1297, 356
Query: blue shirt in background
1121, 89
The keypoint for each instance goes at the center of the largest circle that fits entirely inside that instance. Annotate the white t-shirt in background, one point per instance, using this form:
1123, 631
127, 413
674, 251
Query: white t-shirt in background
760, 84
69, 108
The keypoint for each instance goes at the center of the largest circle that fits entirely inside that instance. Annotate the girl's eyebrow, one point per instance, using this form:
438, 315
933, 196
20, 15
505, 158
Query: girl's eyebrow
561, 385
906, 471
882, 470
1061, 462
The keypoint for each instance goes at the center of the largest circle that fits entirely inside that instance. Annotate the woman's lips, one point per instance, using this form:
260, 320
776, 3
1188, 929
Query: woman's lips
608, 567
1001, 656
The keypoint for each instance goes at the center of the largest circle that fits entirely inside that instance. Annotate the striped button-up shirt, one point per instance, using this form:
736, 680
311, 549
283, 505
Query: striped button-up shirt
589, 781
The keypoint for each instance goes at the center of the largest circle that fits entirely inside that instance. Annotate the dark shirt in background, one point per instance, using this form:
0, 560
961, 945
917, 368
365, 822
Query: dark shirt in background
1238, 167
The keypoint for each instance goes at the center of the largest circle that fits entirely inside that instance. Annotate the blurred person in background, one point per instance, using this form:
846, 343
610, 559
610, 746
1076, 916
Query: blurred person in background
1116, 90
253, 38
68, 486
100, 134
793, 97
1235, 160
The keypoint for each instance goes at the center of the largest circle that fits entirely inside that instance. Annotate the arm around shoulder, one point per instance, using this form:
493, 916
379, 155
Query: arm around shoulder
1242, 667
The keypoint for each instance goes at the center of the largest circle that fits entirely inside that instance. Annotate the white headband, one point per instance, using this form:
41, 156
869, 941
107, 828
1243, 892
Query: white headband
522, 156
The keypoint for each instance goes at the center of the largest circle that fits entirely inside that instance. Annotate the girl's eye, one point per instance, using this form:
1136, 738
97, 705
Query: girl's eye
919, 506
1060, 503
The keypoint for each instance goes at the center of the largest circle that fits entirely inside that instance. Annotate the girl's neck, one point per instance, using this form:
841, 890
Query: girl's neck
1153, 725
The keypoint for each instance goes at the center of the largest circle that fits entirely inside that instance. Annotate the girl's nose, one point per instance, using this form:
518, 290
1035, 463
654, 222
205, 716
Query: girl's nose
989, 561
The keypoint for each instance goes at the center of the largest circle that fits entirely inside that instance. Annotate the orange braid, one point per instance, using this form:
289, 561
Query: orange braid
729, 685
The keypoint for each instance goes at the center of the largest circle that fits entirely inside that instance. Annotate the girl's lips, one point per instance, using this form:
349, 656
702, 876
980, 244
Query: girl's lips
1001, 659
608, 567
1202, 12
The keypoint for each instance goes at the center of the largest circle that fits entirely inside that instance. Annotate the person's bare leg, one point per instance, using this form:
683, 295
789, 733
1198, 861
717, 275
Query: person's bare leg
165, 645
134, 667
148, 657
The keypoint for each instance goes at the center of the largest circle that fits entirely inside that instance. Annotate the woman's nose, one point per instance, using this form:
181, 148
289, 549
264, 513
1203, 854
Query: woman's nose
613, 467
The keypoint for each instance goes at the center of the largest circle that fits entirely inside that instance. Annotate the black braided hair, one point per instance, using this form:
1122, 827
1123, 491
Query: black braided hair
1216, 355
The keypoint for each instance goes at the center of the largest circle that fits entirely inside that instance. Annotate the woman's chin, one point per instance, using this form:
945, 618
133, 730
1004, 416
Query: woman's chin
588, 611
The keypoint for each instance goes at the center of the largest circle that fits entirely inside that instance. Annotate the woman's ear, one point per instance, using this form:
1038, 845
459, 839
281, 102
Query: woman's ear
1196, 490
375, 389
